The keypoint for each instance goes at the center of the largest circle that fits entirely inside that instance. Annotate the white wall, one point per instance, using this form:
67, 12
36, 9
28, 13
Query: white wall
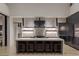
11, 37
4, 9
50, 22
50, 9
1, 20
29, 22
74, 8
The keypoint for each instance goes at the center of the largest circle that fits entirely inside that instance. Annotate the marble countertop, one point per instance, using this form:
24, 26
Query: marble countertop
39, 39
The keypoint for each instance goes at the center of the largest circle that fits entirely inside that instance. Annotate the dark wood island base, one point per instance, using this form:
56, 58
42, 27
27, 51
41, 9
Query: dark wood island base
39, 47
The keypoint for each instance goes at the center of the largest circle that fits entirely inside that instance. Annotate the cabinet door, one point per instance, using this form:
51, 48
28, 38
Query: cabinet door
39, 46
58, 47
20, 47
48, 47
30, 46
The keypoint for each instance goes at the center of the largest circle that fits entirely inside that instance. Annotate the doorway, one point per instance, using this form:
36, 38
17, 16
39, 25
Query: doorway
3, 30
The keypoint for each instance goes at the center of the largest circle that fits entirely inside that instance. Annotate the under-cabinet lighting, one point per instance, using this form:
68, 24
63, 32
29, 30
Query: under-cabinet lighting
27, 28
51, 28
27, 32
76, 28
51, 32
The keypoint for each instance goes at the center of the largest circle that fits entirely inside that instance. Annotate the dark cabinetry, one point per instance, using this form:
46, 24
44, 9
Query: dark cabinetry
49, 46
73, 20
29, 46
39, 46
21, 47
57, 47
76, 41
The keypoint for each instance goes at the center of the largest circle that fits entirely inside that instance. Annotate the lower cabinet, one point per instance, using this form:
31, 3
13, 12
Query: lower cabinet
48, 46
29, 46
57, 47
39, 46
20, 47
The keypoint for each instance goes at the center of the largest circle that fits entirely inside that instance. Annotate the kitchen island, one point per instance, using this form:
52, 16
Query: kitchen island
39, 45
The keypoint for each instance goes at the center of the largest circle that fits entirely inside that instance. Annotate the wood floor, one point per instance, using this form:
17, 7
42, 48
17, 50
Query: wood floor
3, 51
68, 51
